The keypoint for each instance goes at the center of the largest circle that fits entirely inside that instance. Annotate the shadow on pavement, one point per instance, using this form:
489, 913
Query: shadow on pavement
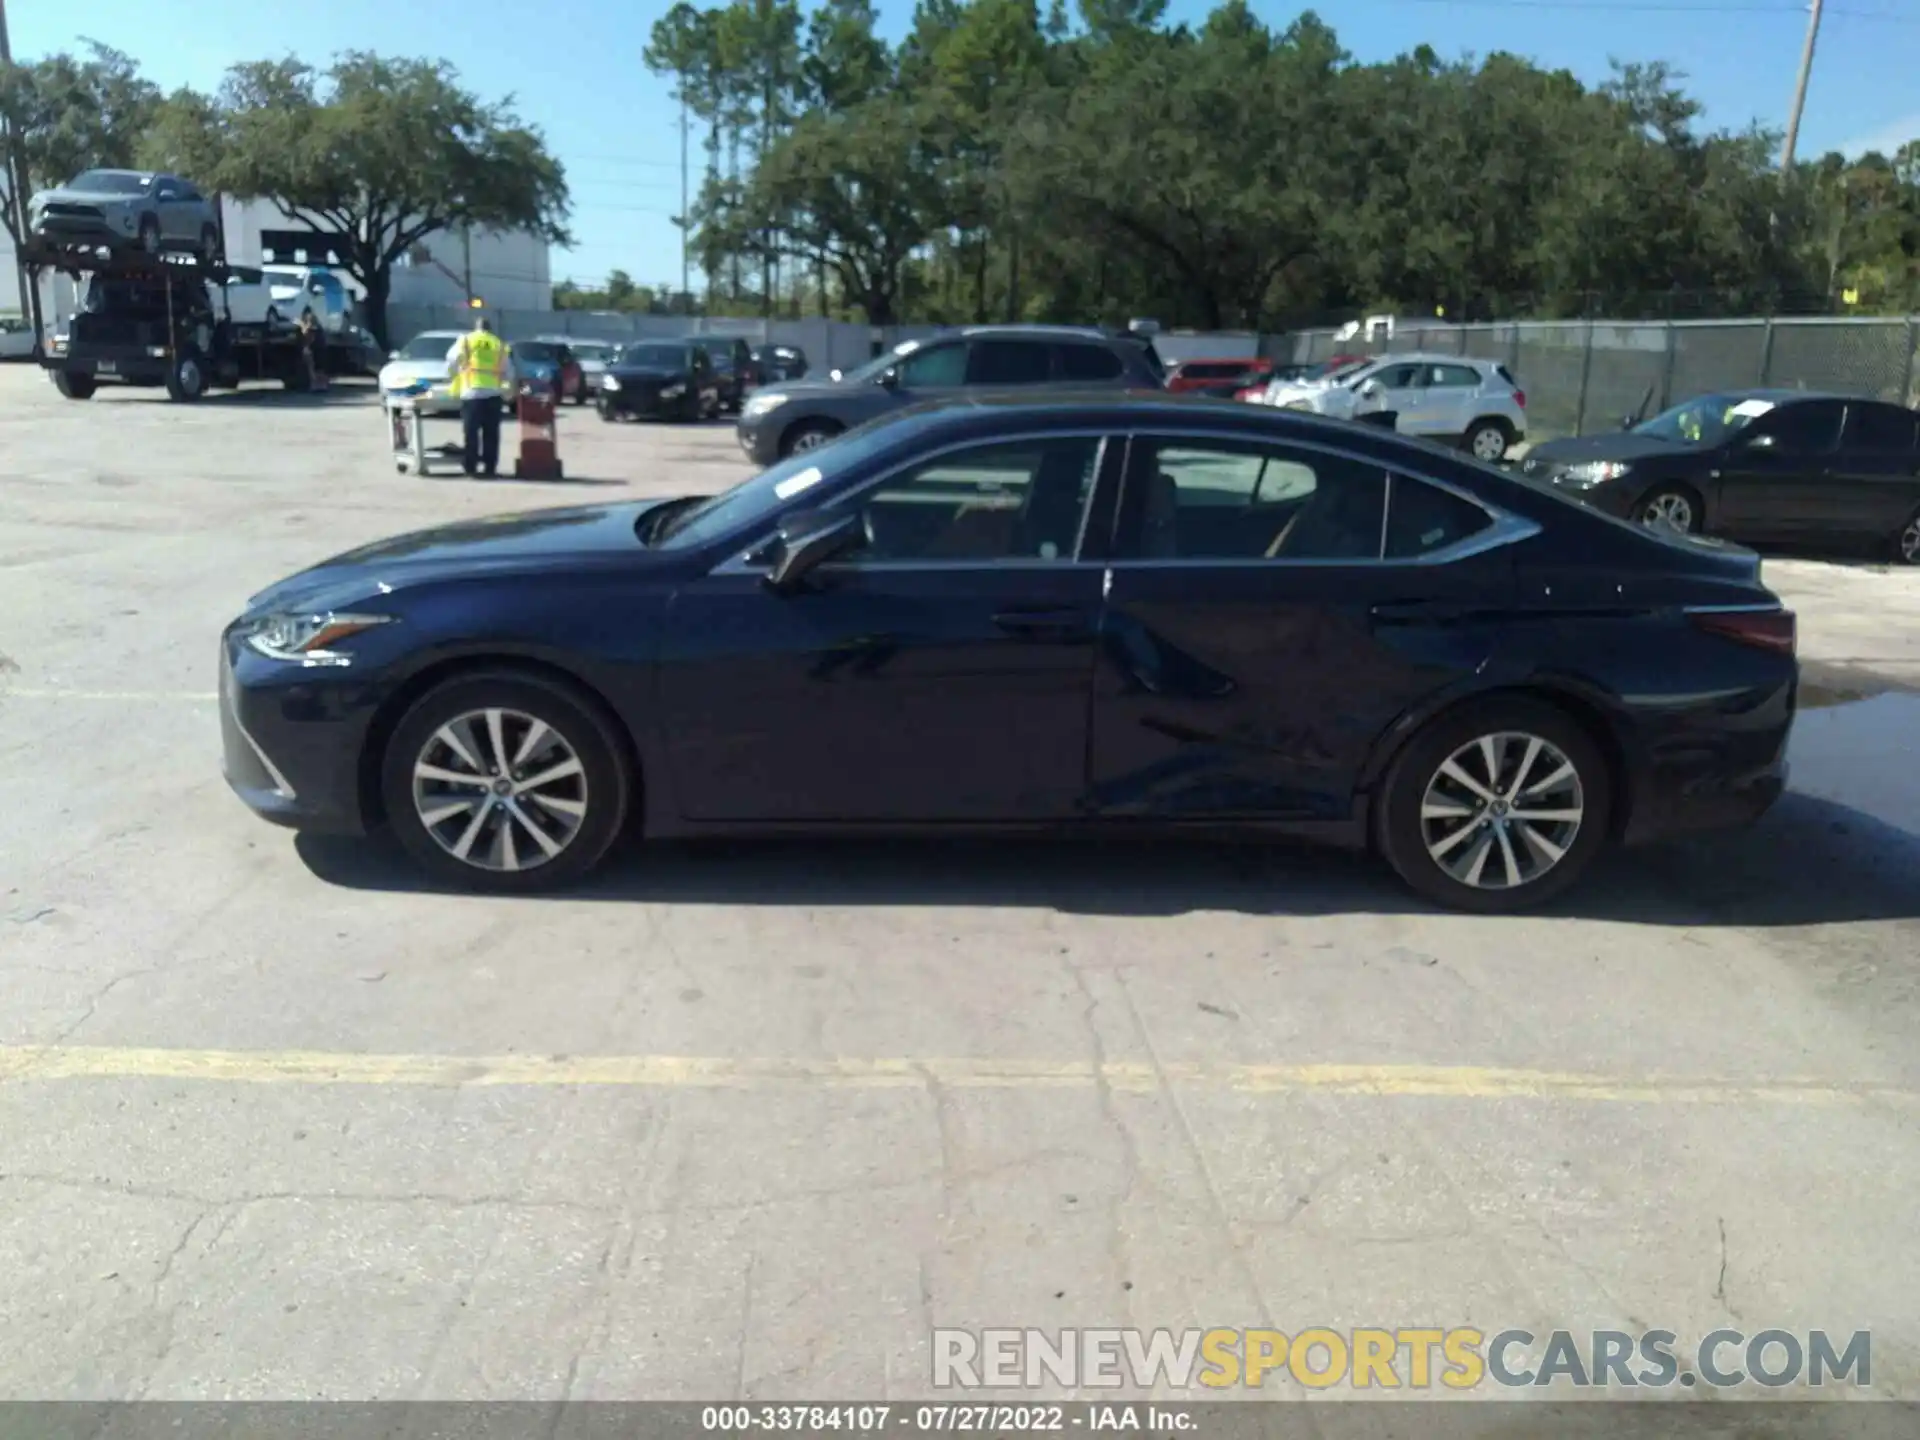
1809, 862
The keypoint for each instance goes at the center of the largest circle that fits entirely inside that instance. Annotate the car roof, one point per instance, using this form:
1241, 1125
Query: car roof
1017, 331
1780, 396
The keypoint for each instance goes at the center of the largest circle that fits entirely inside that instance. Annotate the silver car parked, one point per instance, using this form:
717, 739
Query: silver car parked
1475, 404
127, 209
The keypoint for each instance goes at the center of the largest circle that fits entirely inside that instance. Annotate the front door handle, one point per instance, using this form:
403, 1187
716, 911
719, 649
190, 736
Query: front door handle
1043, 624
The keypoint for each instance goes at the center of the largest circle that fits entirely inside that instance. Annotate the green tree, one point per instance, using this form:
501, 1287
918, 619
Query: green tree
380, 153
70, 113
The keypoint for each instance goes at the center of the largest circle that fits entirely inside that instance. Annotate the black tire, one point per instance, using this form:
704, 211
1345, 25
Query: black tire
150, 234
806, 434
1401, 832
209, 244
187, 377
1482, 437
1679, 505
577, 721
74, 385
607, 412
1906, 544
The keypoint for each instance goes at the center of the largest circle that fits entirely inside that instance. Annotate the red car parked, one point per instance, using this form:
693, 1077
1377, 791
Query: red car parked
1191, 375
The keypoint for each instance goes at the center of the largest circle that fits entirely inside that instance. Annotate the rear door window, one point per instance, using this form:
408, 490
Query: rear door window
1453, 377
1422, 518
1880, 429
1007, 362
1088, 362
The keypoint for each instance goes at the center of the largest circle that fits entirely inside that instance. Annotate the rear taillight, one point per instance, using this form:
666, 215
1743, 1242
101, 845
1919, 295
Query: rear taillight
1520, 398
1773, 630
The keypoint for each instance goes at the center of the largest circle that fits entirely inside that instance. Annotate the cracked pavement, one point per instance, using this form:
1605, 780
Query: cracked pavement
741, 1230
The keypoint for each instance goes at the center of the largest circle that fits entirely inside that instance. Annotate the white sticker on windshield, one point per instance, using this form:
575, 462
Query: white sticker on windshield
1750, 409
794, 484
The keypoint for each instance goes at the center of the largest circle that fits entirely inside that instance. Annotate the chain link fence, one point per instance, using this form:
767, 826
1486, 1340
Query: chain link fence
826, 343
1581, 376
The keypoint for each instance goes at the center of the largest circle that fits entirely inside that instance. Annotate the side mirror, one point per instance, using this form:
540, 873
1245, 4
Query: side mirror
1627, 422
890, 377
1760, 442
393, 354
1370, 390
808, 540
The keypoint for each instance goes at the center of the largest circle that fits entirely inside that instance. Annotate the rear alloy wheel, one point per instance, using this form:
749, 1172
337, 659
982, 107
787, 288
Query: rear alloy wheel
1496, 808
505, 783
810, 435
1906, 545
1670, 509
1487, 441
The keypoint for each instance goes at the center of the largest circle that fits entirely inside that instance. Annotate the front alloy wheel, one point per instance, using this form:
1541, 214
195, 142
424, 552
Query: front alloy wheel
1488, 443
500, 789
1668, 510
506, 781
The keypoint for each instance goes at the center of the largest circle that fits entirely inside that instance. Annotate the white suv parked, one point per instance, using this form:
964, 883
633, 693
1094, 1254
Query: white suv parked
1475, 404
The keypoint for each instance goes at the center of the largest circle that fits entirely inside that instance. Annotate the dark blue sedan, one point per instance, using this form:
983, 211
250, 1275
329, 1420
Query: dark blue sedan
1050, 614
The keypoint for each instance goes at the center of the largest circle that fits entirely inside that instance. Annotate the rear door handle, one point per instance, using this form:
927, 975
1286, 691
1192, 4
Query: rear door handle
1043, 624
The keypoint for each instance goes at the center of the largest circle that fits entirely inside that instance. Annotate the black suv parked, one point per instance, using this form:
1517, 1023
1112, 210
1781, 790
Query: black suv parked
783, 418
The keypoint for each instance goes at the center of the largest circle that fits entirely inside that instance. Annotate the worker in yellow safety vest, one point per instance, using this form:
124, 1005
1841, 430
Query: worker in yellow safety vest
482, 376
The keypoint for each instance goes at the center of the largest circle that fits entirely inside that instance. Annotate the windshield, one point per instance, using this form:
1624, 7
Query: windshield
655, 357
1705, 419
537, 351
594, 349
428, 347
760, 497
111, 182
1335, 369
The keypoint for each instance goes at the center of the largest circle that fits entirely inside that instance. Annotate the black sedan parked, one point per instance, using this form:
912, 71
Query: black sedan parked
659, 380
1027, 613
1757, 466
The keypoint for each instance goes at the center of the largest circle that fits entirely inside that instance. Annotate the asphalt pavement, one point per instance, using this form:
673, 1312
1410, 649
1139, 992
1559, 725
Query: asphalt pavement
749, 1120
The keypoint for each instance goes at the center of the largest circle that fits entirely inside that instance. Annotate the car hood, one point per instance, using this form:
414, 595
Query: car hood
810, 389
1609, 445
498, 542
645, 372
397, 374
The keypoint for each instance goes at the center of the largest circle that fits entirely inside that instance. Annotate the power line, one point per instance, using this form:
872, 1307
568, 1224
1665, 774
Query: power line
1666, 7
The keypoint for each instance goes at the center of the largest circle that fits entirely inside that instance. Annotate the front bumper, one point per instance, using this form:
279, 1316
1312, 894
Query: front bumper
292, 738
641, 403
127, 364
86, 229
759, 439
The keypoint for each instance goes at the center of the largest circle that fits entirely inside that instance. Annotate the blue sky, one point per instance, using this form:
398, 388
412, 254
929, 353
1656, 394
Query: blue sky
574, 66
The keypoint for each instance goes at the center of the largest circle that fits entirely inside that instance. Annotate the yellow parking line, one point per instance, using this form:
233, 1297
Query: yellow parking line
197, 697
37, 1064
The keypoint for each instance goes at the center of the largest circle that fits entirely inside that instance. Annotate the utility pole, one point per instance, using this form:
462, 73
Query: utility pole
686, 292
466, 259
1800, 88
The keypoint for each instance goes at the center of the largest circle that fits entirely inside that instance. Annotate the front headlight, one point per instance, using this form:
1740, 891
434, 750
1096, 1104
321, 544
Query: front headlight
306, 639
1594, 472
672, 392
763, 402
607, 382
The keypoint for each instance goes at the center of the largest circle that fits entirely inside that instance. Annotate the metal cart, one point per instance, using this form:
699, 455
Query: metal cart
407, 431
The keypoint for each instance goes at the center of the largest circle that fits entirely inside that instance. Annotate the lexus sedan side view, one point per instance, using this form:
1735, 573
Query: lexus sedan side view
1034, 613
1757, 466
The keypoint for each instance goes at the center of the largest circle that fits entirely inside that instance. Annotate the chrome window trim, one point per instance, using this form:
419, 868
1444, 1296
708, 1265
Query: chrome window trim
1505, 528
738, 564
